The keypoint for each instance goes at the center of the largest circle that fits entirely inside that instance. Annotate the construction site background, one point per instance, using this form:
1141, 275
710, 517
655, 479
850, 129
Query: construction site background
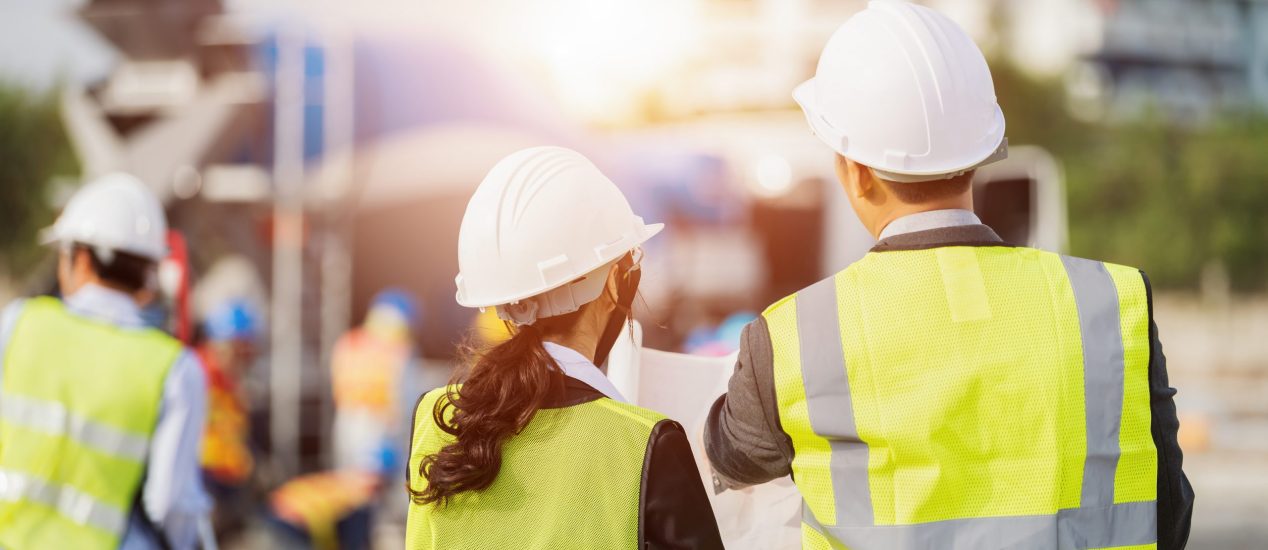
314, 154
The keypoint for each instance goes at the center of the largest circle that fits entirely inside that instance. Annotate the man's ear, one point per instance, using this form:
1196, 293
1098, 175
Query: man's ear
855, 178
81, 259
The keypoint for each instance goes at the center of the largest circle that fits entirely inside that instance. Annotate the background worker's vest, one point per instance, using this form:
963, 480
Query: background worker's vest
79, 405
366, 372
226, 453
970, 398
571, 479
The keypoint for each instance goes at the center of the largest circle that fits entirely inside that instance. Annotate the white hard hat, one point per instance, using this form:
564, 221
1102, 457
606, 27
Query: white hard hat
115, 212
901, 89
544, 224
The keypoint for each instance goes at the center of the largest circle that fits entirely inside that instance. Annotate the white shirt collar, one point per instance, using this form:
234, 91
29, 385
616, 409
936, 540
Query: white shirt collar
577, 367
924, 221
105, 304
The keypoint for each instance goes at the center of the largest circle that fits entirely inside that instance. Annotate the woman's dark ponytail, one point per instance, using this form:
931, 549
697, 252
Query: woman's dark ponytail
494, 399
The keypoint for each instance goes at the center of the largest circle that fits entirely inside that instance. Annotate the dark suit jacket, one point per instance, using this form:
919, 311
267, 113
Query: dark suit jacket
747, 446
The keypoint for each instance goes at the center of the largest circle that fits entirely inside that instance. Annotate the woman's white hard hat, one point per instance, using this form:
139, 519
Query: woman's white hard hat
903, 90
540, 233
115, 212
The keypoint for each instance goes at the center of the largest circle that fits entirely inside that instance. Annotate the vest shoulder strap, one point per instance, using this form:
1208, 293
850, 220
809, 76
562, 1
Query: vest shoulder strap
50, 309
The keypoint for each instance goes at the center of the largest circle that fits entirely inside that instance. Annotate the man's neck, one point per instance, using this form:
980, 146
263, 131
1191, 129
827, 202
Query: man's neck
927, 220
98, 282
903, 210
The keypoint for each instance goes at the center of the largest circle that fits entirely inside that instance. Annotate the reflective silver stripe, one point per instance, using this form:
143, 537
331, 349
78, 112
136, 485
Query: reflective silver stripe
1129, 524
75, 506
828, 400
52, 418
1097, 301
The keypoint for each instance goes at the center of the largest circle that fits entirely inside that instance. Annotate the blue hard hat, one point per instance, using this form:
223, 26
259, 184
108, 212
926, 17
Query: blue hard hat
232, 320
732, 328
400, 300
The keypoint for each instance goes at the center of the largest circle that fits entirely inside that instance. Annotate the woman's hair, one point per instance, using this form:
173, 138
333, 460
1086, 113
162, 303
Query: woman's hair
494, 399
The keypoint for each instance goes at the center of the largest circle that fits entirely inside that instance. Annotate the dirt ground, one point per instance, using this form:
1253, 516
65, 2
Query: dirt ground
1217, 355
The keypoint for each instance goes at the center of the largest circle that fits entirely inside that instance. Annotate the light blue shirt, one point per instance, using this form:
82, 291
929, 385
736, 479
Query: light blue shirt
576, 366
924, 221
173, 494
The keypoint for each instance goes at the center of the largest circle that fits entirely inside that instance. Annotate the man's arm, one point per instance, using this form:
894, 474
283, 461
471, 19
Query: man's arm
173, 496
742, 436
1175, 495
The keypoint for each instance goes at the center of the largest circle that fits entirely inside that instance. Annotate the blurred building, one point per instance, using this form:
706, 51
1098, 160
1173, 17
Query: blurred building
1189, 59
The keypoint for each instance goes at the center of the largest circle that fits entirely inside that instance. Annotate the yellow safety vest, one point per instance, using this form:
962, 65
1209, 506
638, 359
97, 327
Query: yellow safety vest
571, 479
79, 405
970, 398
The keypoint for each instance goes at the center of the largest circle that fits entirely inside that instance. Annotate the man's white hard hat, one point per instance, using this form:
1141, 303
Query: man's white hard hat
901, 89
115, 212
540, 233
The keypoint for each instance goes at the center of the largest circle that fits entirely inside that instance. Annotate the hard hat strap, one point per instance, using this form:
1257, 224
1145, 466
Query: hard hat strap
626, 289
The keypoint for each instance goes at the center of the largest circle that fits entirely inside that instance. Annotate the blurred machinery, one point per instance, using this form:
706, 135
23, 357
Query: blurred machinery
182, 97
1023, 199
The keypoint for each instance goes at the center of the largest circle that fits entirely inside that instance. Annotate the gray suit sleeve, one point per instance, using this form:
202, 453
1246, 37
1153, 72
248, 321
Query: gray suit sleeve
1175, 494
743, 438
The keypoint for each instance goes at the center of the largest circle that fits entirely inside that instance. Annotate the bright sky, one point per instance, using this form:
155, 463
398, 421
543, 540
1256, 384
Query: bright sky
41, 42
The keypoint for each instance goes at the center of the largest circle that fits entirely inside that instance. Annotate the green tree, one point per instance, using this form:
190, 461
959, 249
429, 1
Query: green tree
33, 149
1167, 197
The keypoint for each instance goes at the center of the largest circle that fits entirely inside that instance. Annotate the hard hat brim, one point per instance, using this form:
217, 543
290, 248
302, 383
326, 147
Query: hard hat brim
648, 231
835, 139
51, 236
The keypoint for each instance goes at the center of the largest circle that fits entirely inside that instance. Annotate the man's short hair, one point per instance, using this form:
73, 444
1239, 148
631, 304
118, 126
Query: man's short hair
926, 191
127, 271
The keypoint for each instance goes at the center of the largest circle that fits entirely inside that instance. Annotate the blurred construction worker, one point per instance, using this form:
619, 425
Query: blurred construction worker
227, 352
949, 390
100, 417
532, 446
369, 371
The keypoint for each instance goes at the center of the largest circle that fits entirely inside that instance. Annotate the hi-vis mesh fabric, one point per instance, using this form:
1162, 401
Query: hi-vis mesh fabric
80, 402
969, 397
571, 479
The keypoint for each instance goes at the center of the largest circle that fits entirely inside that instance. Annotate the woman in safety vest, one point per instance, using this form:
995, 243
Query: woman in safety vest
532, 446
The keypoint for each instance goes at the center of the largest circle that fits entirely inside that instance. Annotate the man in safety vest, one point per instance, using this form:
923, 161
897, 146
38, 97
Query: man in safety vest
949, 390
100, 417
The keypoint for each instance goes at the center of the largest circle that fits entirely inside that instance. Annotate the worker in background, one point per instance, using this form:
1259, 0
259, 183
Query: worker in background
227, 352
100, 417
949, 390
532, 447
370, 369
369, 373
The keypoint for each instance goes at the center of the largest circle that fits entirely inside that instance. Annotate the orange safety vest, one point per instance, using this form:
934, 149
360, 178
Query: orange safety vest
225, 454
365, 371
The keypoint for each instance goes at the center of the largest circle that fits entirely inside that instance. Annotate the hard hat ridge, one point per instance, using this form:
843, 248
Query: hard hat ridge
529, 179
